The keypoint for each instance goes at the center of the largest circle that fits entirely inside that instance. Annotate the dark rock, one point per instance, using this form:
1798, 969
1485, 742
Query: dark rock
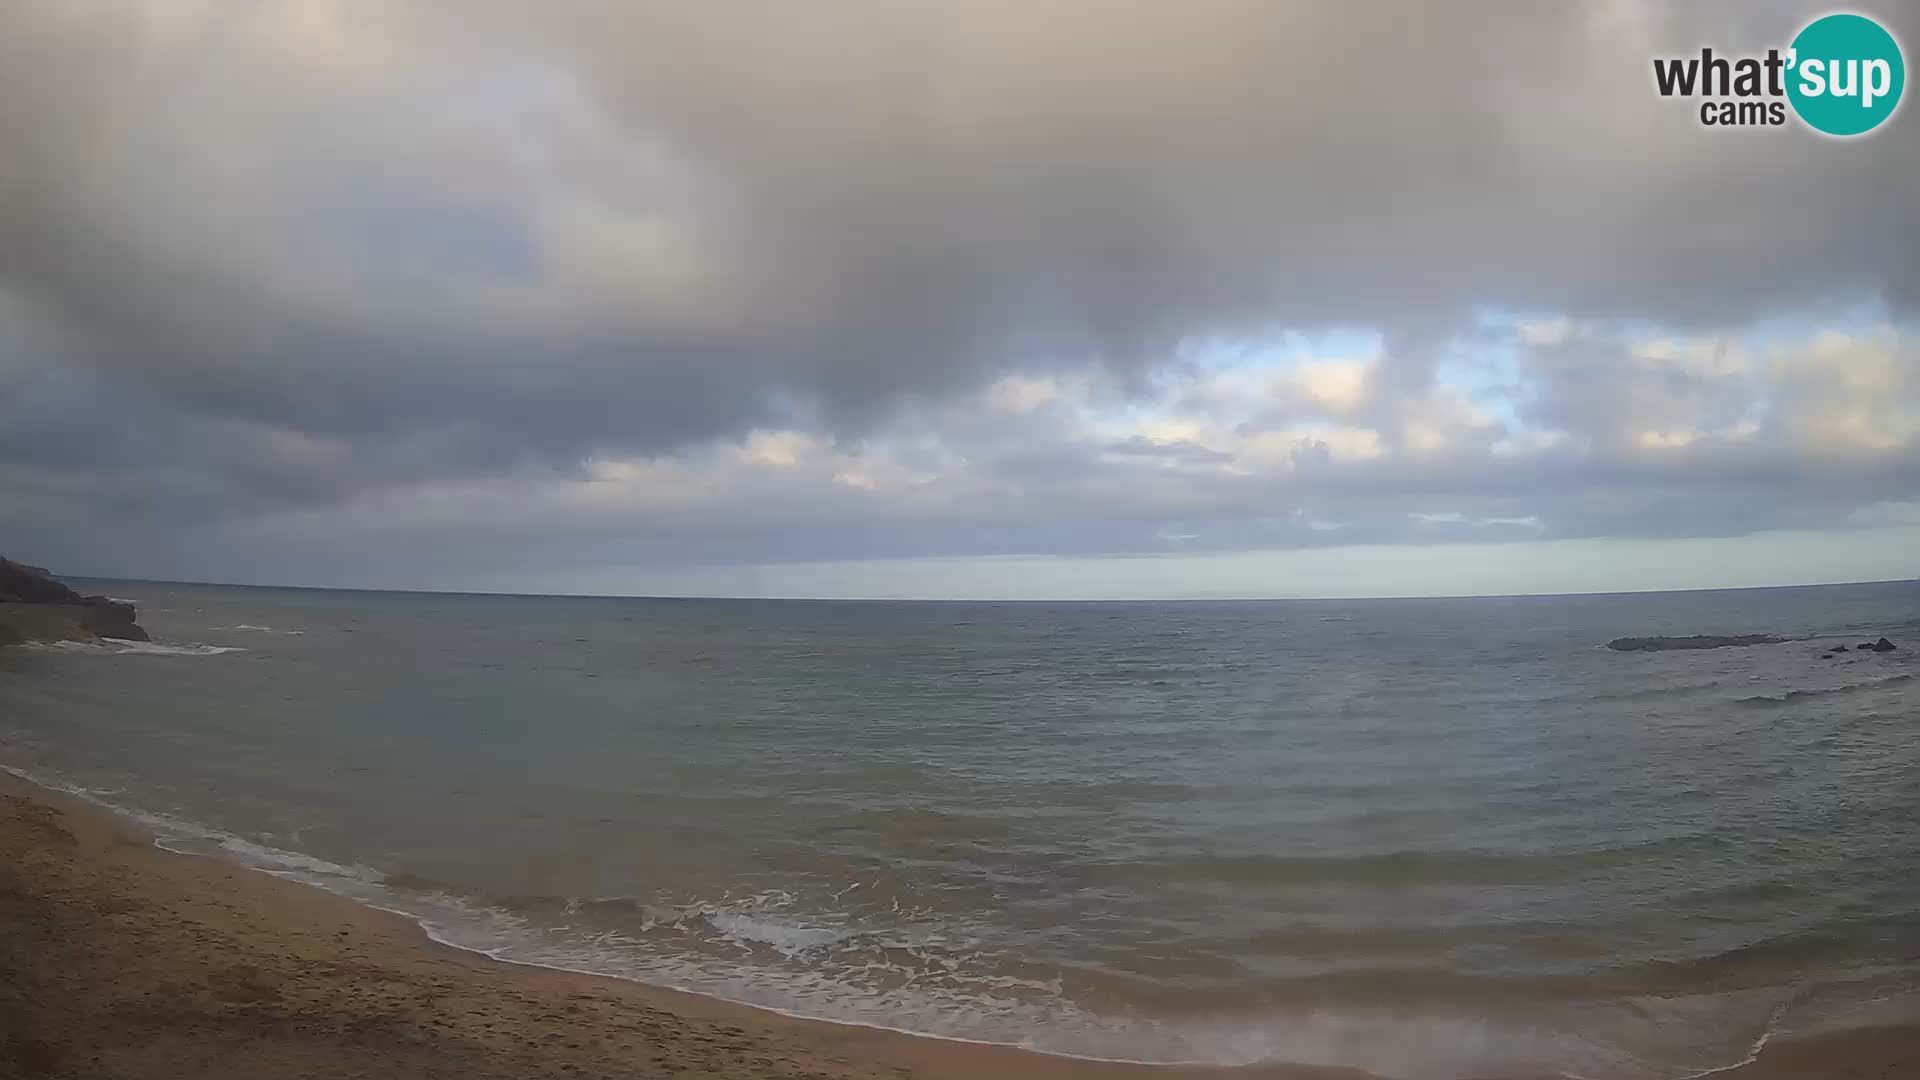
45, 622
1697, 641
1838, 648
1883, 645
23, 584
1865, 646
35, 607
112, 618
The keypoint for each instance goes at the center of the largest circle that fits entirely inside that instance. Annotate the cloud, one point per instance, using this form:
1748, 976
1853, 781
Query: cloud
690, 283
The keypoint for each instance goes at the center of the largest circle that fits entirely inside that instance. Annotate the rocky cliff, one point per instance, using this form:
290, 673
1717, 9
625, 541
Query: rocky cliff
34, 606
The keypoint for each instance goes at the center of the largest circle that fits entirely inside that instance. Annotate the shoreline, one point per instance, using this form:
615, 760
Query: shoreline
121, 958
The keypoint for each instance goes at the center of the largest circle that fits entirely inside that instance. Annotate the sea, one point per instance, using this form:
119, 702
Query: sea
1434, 839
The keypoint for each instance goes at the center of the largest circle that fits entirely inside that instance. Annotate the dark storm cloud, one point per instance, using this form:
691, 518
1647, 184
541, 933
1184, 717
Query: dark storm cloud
300, 253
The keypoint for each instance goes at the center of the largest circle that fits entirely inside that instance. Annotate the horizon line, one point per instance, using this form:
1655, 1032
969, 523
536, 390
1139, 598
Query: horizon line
995, 600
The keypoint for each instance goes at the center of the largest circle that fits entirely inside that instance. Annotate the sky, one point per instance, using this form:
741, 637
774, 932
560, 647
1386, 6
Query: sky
943, 298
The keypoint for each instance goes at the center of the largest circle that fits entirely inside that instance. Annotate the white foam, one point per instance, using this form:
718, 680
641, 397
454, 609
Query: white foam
280, 860
153, 648
1760, 1042
184, 837
127, 647
787, 939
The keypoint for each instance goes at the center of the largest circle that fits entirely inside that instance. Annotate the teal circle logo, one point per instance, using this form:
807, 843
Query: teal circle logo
1846, 74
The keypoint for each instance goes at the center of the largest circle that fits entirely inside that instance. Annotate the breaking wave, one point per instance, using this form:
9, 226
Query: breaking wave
126, 647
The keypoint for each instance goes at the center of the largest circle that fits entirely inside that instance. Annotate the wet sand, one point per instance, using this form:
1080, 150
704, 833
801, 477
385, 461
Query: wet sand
118, 959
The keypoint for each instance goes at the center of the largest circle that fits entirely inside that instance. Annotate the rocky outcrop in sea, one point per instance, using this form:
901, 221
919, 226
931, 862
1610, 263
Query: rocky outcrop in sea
1697, 641
36, 606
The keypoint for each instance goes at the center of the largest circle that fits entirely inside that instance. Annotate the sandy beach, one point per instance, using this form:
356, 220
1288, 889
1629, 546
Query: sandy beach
118, 959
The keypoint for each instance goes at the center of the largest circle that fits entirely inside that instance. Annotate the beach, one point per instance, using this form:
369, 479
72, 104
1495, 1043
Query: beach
118, 959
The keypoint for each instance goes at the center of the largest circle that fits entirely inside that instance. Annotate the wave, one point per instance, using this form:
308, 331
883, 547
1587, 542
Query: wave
126, 647
1636, 693
788, 939
182, 836
1644, 693
1764, 700
261, 629
1410, 869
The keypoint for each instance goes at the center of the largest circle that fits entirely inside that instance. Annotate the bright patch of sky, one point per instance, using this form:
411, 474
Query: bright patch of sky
1281, 351
1358, 571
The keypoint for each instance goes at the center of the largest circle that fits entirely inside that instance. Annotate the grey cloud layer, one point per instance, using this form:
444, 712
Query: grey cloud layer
272, 258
